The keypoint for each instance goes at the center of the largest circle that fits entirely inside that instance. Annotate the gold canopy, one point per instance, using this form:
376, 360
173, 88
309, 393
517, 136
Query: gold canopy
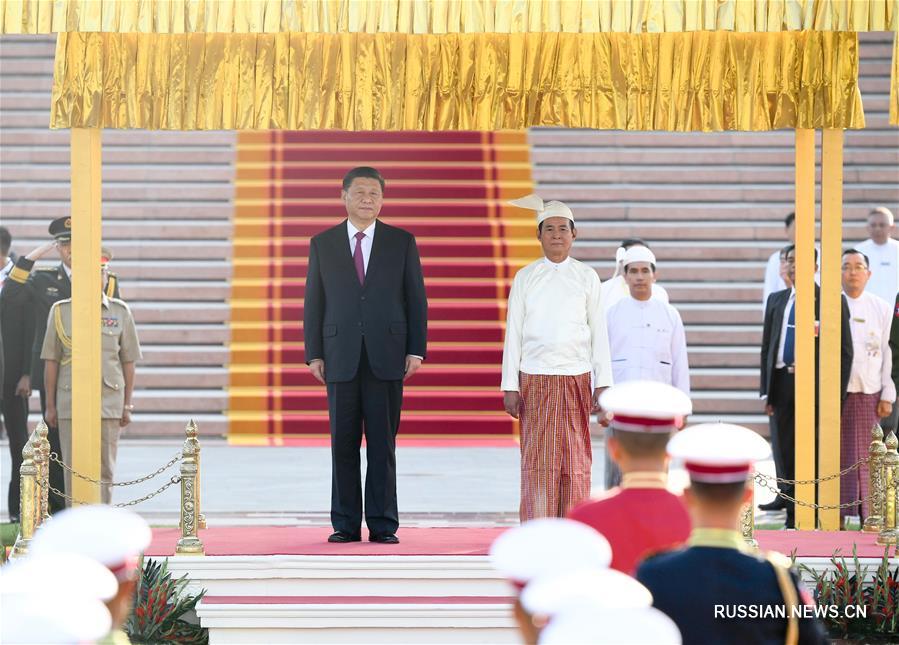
444, 16
698, 81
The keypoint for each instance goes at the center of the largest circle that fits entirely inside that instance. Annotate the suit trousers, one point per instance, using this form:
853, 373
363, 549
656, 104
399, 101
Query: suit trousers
15, 419
57, 479
109, 447
783, 441
365, 405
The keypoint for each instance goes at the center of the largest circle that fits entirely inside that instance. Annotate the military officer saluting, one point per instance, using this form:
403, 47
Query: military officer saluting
120, 349
717, 589
36, 290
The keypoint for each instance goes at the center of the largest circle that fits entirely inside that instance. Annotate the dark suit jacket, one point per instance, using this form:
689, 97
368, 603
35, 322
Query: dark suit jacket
775, 310
390, 309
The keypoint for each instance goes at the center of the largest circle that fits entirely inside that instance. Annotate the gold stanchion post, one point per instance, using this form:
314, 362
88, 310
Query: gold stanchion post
192, 433
29, 505
876, 451
189, 543
747, 519
889, 533
43, 448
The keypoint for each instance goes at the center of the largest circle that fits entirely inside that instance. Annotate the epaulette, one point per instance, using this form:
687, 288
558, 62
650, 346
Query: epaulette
119, 301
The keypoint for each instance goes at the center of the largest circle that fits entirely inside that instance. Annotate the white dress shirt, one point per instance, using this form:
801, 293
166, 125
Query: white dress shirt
6, 270
884, 259
555, 324
773, 281
647, 342
614, 289
870, 318
366, 241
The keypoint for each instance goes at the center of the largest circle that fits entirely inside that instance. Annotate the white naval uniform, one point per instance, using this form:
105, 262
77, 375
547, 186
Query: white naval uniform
647, 342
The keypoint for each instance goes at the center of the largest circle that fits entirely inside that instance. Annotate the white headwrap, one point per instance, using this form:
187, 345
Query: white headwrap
544, 210
638, 253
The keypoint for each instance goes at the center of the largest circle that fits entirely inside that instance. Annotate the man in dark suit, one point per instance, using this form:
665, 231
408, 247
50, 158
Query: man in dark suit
31, 292
365, 329
778, 383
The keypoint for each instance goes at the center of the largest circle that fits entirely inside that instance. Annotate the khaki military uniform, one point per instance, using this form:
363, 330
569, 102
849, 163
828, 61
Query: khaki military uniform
120, 345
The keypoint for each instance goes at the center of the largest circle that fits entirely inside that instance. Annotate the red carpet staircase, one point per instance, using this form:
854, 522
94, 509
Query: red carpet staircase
449, 190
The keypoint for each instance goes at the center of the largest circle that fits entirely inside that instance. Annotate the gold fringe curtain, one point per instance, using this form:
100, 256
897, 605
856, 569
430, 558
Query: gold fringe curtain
444, 16
704, 81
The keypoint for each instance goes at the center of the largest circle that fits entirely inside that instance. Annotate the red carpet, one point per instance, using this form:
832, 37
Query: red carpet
449, 189
281, 540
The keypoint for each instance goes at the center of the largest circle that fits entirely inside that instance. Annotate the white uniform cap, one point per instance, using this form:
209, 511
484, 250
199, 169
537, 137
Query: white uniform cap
114, 537
718, 453
39, 618
548, 546
544, 210
639, 253
607, 588
55, 574
597, 625
645, 406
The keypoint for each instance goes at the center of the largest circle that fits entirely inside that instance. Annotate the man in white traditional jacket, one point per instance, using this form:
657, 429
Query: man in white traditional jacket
883, 254
646, 336
615, 288
555, 365
871, 391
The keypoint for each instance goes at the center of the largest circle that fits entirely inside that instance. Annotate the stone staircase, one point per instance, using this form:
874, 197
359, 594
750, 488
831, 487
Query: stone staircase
167, 205
712, 207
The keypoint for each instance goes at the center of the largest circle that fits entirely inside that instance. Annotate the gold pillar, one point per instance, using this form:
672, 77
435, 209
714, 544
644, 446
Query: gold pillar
830, 326
805, 322
87, 222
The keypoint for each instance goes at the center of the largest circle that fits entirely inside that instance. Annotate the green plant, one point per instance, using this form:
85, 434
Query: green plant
160, 606
845, 586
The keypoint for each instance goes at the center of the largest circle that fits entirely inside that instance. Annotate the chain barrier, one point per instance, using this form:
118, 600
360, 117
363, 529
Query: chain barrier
781, 480
761, 481
54, 457
175, 479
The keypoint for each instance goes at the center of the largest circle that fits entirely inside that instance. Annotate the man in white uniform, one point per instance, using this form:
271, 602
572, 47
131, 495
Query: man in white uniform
871, 391
615, 288
556, 344
646, 336
883, 253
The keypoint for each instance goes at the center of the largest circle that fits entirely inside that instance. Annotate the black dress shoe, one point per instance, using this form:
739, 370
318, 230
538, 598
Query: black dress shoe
384, 538
340, 537
778, 504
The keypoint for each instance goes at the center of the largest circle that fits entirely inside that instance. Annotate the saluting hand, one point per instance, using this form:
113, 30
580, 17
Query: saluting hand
42, 250
317, 367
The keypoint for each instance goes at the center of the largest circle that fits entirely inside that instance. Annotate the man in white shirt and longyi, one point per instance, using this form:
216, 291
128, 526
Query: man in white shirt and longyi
555, 365
646, 335
871, 391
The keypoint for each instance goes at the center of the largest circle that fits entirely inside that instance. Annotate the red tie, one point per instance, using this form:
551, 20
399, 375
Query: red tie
358, 260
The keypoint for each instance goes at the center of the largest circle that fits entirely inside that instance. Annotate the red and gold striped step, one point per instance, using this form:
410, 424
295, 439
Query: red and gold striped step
449, 190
